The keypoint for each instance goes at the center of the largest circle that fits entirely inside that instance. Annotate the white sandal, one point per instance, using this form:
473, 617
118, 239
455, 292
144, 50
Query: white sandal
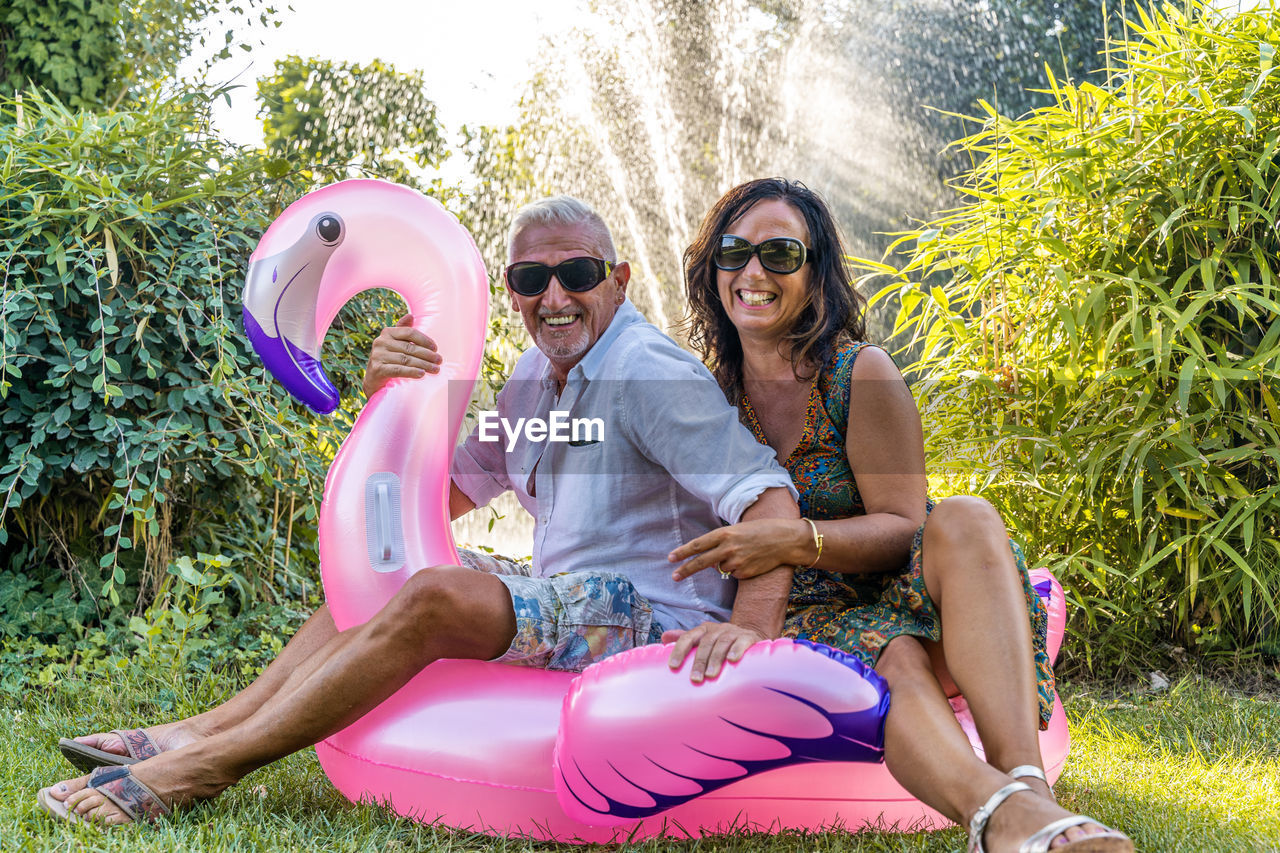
1028, 771
1108, 841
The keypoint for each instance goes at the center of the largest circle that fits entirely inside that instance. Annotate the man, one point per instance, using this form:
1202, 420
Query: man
660, 475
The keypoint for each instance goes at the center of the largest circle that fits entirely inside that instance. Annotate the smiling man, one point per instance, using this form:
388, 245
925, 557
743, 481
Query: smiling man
670, 463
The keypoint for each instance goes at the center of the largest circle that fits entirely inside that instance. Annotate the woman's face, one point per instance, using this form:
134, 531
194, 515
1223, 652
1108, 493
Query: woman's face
763, 304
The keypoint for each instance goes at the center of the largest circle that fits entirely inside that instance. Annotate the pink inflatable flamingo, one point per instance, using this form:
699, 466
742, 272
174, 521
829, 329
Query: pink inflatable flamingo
471, 743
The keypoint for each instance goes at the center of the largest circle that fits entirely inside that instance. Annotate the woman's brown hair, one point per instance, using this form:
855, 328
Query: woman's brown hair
834, 309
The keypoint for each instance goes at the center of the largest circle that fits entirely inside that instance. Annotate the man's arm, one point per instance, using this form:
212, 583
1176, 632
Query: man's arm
758, 608
761, 602
459, 503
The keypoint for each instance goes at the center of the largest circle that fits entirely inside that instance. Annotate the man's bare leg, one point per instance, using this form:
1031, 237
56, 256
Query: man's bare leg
314, 634
443, 612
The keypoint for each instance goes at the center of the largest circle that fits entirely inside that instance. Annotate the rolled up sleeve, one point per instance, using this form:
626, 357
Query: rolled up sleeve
684, 423
471, 475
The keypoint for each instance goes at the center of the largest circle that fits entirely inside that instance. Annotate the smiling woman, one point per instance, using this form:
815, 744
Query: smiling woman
881, 571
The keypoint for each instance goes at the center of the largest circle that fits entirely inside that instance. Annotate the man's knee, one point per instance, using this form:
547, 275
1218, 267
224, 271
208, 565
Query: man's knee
451, 604
427, 596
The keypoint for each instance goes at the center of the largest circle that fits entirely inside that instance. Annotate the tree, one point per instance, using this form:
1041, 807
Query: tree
1102, 356
684, 99
338, 119
136, 426
92, 54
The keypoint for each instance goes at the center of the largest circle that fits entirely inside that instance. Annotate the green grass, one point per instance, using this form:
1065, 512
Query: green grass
1194, 768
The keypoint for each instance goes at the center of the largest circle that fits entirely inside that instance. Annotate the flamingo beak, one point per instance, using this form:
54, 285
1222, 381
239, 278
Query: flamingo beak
280, 303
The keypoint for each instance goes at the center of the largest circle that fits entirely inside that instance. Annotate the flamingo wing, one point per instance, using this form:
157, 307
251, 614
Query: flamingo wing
637, 738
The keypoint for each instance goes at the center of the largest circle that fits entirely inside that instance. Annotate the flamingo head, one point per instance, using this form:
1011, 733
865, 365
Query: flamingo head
280, 300
351, 236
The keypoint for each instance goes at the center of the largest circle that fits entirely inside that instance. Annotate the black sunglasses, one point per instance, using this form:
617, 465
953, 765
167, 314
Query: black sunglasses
529, 278
783, 255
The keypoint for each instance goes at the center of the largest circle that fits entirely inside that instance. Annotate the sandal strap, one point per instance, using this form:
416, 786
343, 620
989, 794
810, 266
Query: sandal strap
133, 797
1023, 771
138, 743
978, 824
1040, 841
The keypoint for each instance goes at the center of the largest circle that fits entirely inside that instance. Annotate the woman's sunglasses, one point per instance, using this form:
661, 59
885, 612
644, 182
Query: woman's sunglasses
529, 278
783, 255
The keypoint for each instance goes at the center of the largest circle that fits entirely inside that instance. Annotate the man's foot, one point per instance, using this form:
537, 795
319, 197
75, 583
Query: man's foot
130, 745
147, 789
133, 800
1025, 813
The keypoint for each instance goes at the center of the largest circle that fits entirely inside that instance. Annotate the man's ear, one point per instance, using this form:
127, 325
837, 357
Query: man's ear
622, 275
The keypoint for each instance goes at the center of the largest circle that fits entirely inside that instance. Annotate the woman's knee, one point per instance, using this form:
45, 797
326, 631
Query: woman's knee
963, 521
904, 659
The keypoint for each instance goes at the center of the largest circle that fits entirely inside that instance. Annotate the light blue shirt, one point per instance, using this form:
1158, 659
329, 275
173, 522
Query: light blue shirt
672, 462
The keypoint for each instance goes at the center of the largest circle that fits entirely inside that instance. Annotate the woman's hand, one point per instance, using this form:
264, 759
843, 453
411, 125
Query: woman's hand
400, 351
715, 642
747, 549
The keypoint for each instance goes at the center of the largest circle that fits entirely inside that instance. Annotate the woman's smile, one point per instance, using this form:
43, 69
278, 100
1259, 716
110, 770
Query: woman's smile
755, 298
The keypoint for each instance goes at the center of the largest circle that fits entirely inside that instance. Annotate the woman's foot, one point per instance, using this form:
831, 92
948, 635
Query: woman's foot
1026, 812
1034, 777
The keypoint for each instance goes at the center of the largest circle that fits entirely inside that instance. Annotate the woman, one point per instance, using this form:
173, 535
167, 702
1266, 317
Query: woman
937, 607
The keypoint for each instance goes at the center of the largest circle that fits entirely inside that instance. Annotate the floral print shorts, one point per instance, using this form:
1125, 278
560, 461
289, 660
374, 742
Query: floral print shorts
569, 621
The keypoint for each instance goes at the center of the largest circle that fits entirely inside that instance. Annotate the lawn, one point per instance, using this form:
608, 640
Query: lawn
1195, 767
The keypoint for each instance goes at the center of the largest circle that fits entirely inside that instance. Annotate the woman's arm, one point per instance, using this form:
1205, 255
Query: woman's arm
884, 442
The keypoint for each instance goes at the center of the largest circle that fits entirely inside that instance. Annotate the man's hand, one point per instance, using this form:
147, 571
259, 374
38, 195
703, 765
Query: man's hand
715, 642
746, 549
400, 351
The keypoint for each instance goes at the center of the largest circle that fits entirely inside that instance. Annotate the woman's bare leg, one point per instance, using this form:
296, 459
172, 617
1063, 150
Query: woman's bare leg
986, 636
987, 654
930, 756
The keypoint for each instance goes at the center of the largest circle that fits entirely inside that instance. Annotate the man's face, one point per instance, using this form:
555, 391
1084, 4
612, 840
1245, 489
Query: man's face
565, 325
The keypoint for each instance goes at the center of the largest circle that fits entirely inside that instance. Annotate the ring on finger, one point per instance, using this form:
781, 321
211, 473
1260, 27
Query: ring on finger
724, 576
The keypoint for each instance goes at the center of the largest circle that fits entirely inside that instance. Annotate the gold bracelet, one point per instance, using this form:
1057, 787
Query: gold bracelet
817, 541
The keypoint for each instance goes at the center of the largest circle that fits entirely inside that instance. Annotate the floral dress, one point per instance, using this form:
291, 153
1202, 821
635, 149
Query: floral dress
860, 613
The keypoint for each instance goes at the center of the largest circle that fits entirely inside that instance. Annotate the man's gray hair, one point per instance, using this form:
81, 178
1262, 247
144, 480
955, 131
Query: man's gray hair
562, 210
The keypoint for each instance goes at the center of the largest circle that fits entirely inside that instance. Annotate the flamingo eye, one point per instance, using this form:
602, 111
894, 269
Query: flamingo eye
329, 228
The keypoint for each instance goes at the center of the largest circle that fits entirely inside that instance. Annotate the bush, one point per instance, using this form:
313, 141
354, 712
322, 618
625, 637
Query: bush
136, 427
1102, 363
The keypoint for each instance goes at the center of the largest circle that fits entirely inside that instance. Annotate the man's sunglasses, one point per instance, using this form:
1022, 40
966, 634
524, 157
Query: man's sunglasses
529, 278
783, 255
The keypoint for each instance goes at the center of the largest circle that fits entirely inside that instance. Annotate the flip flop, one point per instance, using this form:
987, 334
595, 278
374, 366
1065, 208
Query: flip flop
136, 800
137, 743
57, 808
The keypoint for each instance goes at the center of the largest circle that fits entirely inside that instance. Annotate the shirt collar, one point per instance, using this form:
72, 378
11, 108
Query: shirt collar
589, 366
